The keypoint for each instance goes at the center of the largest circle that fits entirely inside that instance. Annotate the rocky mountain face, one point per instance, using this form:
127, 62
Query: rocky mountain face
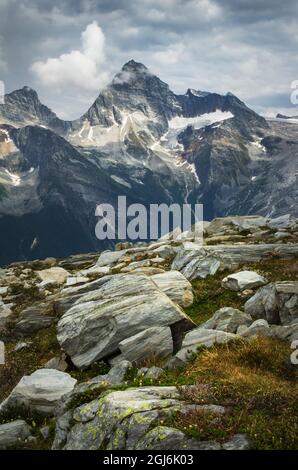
23, 108
140, 140
155, 347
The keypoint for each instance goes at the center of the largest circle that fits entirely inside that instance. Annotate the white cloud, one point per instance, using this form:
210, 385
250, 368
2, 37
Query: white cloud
79, 68
207, 8
171, 55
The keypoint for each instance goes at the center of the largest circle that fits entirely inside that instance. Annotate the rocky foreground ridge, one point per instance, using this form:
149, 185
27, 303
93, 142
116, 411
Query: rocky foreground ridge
166, 345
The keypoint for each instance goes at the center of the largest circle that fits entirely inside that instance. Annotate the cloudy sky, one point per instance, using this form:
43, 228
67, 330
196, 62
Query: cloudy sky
69, 49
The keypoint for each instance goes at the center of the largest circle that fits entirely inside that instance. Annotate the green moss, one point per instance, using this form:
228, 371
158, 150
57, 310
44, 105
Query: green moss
98, 368
210, 296
85, 397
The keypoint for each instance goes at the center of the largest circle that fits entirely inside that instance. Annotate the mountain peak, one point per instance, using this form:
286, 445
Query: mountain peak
133, 66
198, 93
26, 92
28, 89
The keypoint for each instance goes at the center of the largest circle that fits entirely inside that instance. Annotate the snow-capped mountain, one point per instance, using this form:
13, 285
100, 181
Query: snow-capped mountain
141, 140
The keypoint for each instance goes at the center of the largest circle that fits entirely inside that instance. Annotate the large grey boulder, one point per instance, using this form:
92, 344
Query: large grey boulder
176, 286
13, 433
40, 391
122, 307
202, 337
227, 319
243, 280
153, 342
277, 303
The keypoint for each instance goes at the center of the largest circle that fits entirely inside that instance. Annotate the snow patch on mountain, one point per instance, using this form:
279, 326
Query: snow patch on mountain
198, 122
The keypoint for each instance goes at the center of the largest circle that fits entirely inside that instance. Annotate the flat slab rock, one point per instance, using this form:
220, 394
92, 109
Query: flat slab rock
120, 308
40, 391
243, 280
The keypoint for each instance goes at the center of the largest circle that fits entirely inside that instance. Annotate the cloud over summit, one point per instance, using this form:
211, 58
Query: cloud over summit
79, 68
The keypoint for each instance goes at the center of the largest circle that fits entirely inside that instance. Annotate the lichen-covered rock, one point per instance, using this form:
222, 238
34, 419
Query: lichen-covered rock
131, 420
166, 438
122, 307
128, 420
40, 391
13, 433
121, 418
